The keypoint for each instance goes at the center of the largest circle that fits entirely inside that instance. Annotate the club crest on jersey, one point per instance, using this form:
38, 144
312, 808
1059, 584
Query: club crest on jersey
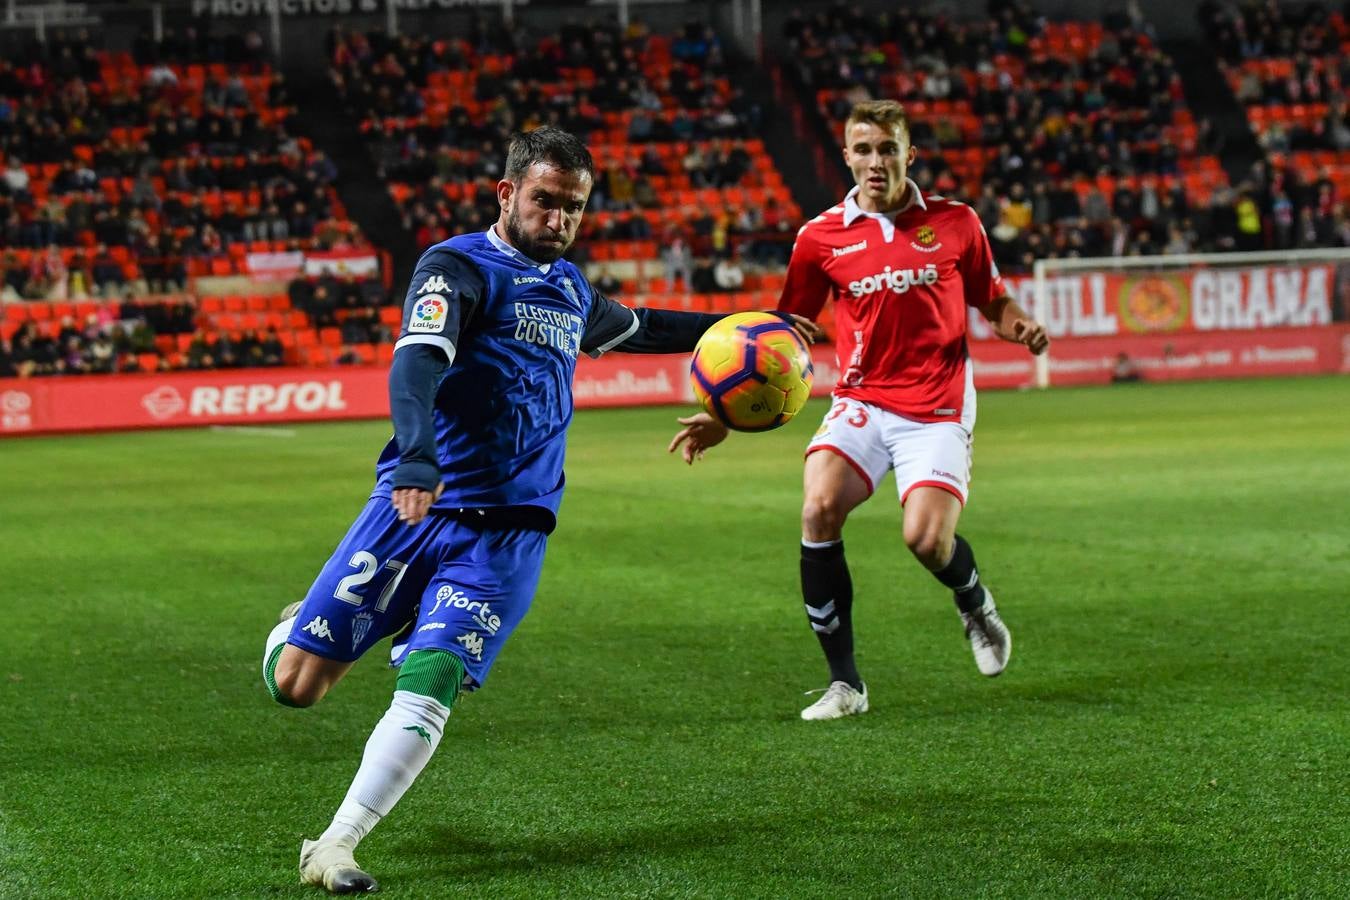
571, 291
361, 623
428, 314
434, 285
924, 239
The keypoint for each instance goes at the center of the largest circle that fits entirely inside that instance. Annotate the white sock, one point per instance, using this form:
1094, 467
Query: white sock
396, 753
275, 639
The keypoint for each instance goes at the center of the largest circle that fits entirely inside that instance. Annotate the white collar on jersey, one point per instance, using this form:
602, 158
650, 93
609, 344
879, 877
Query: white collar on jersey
886, 220
512, 252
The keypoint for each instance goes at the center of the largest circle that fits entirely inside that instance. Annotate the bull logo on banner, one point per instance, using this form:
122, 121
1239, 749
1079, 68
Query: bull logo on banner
1152, 303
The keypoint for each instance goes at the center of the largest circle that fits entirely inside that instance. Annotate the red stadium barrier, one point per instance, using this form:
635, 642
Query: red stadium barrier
238, 396
1195, 356
270, 396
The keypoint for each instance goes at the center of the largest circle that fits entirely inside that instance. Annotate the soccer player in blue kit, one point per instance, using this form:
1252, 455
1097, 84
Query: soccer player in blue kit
447, 553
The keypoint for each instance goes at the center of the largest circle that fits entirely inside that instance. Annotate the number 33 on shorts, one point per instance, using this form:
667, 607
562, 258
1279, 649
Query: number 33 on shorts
873, 440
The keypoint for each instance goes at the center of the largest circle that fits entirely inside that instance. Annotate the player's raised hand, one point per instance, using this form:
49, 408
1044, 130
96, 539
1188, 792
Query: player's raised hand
413, 504
807, 330
700, 432
1031, 333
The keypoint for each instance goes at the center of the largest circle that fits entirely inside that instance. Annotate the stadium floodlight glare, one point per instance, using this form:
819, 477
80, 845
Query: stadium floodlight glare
1046, 271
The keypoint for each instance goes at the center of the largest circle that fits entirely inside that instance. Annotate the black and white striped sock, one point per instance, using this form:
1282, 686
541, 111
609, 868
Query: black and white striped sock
963, 577
827, 591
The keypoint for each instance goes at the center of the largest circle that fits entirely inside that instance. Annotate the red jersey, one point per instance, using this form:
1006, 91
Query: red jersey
902, 283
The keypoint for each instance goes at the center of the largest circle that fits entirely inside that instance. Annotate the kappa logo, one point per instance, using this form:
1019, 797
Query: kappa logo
526, 279
473, 644
420, 732
851, 248
319, 628
361, 623
434, 285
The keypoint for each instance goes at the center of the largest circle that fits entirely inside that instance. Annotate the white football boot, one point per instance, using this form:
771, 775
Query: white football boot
990, 640
329, 865
840, 699
289, 611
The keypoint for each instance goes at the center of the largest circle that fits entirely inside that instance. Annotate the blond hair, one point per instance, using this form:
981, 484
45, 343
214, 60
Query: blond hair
887, 115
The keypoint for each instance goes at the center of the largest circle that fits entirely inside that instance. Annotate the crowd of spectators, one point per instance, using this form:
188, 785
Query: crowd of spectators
165, 333
1286, 57
351, 306
95, 153
445, 157
124, 337
1088, 152
1257, 29
1286, 65
90, 347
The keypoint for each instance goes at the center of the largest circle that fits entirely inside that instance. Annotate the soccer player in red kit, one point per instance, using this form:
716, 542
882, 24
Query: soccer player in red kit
902, 268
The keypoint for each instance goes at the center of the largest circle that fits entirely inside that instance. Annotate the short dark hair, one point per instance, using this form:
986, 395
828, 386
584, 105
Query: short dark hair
888, 115
547, 144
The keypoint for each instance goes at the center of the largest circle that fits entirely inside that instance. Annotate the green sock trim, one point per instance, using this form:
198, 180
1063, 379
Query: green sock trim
270, 678
437, 674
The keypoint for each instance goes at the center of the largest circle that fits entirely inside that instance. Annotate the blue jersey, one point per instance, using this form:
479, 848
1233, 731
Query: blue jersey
512, 329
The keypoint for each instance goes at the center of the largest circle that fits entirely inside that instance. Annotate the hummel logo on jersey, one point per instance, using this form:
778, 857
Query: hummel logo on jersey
851, 248
898, 280
434, 285
319, 628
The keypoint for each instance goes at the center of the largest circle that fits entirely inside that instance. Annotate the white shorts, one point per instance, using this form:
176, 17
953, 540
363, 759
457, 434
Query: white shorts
923, 454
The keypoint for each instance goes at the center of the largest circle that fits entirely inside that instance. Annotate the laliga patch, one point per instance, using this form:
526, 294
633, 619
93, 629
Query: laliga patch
428, 315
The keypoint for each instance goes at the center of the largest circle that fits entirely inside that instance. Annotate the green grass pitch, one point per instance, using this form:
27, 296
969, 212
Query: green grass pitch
1172, 559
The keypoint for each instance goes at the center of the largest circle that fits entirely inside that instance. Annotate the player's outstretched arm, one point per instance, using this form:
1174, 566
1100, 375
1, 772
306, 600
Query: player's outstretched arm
701, 431
413, 377
444, 290
613, 326
1012, 323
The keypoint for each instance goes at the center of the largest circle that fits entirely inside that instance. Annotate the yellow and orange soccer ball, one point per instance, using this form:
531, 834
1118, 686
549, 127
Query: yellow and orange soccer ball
751, 371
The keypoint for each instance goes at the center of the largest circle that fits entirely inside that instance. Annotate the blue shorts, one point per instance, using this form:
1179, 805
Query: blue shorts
444, 584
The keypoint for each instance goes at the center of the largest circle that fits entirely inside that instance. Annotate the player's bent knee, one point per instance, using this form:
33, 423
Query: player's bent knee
294, 690
299, 679
823, 518
930, 546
